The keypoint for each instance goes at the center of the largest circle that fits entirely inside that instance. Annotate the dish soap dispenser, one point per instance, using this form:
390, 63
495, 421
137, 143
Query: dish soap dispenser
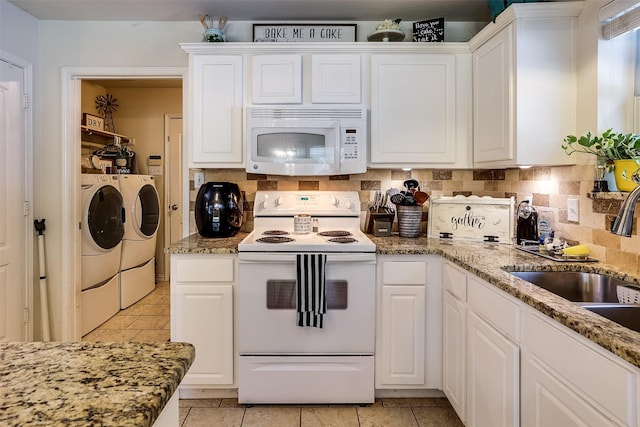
527, 224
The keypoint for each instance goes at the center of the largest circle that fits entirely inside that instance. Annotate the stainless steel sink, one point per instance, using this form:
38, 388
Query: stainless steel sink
622, 314
577, 286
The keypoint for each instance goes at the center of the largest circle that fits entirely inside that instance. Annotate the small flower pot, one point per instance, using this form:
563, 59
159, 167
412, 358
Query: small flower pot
623, 171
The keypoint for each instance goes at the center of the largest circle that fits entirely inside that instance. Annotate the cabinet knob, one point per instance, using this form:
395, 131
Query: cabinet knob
174, 207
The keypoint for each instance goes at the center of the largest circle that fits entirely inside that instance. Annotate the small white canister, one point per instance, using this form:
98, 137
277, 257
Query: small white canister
302, 224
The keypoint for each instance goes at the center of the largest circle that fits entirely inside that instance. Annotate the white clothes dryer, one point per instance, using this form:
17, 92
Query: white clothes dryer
137, 265
102, 228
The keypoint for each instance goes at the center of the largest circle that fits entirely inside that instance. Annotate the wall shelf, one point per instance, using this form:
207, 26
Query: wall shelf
99, 138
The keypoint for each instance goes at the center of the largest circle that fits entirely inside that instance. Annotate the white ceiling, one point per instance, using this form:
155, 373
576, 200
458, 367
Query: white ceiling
256, 10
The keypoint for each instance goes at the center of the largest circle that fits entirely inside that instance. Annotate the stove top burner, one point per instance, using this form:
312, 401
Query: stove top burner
335, 233
275, 239
275, 233
343, 240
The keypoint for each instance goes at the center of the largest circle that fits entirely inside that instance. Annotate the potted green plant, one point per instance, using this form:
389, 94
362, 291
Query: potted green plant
620, 151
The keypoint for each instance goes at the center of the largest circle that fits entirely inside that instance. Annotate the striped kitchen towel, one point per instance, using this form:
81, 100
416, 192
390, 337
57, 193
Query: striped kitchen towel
311, 304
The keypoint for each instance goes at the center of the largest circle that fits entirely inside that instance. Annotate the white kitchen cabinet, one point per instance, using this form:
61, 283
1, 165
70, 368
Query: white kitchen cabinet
408, 317
276, 79
202, 289
493, 356
524, 85
568, 380
336, 79
318, 78
214, 111
421, 110
493, 381
454, 354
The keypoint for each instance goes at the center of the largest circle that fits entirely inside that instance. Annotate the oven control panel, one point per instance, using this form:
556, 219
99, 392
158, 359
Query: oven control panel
287, 203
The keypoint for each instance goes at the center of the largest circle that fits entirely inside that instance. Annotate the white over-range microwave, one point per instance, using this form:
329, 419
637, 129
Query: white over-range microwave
307, 139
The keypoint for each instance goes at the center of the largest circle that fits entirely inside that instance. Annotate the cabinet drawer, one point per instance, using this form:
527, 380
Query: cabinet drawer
204, 269
455, 281
594, 374
501, 312
404, 273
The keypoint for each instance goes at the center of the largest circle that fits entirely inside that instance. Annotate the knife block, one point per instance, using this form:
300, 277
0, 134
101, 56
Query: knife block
379, 223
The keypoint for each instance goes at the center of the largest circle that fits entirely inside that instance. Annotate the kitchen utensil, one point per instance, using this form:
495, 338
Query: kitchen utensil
398, 198
411, 183
420, 196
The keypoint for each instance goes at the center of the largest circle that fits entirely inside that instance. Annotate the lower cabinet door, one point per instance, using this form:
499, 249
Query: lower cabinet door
204, 316
547, 401
453, 353
400, 348
493, 376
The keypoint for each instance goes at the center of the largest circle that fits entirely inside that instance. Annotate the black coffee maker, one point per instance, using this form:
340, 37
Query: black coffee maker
219, 209
527, 224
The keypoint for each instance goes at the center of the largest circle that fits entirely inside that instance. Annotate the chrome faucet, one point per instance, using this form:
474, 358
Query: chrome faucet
623, 223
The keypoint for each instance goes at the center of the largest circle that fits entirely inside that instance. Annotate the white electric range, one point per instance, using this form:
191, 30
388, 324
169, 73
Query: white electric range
281, 361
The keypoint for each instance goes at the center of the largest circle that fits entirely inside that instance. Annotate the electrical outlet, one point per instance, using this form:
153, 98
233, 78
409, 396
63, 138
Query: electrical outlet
573, 213
198, 179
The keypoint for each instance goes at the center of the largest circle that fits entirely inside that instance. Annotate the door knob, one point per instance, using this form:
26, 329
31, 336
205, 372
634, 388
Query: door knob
174, 207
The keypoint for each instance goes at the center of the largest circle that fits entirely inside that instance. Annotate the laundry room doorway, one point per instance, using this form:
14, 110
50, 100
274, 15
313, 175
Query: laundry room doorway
72, 88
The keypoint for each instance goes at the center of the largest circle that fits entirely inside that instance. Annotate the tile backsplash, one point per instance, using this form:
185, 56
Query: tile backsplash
549, 186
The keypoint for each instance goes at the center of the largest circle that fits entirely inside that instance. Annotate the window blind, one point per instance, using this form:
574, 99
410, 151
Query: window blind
619, 17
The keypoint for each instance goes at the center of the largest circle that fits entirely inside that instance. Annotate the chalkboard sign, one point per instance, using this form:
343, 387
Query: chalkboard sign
431, 30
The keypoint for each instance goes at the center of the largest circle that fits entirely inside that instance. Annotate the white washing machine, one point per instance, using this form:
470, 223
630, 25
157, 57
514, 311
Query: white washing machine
102, 228
142, 214
102, 233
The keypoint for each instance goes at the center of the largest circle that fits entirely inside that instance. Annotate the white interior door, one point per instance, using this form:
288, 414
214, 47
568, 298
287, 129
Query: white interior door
14, 314
173, 164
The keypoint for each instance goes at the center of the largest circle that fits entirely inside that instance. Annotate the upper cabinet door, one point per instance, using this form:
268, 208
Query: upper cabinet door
215, 103
277, 79
525, 85
336, 79
493, 91
420, 110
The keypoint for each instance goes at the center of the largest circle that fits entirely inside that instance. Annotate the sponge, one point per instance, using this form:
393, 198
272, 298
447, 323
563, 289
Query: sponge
578, 250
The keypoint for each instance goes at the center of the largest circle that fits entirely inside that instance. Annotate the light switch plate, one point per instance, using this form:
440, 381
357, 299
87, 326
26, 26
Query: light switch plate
198, 179
573, 213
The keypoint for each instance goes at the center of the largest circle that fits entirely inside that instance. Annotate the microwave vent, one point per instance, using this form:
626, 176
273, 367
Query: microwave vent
307, 113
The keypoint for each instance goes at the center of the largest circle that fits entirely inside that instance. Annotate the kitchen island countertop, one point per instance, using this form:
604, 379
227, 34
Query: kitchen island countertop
492, 263
81, 383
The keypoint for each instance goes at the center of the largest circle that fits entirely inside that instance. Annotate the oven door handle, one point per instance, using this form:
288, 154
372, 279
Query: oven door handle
369, 257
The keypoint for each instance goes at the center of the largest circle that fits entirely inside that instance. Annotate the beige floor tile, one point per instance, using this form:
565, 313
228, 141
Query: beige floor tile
93, 335
230, 403
209, 417
118, 334
152, 335
149, 322
119, 321
153, 298
437, 417
199, 403
408, 402
182, 415
386, 417
329, 417
152, 310
443, 401
271, 416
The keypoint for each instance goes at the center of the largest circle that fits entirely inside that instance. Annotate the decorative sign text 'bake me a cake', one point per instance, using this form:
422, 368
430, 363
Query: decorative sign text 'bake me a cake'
472, 218
304, 32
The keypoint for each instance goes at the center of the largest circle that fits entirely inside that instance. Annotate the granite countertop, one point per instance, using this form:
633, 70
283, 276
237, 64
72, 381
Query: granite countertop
491, 262
196, 244
81, 383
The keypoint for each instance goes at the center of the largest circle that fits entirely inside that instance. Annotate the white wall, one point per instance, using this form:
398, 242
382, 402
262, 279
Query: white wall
19, 34
86, 44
